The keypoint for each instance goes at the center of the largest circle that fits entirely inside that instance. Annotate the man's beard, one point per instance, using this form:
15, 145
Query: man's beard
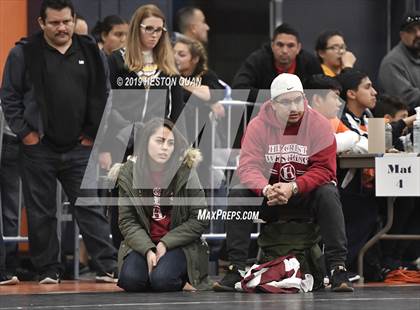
415, 47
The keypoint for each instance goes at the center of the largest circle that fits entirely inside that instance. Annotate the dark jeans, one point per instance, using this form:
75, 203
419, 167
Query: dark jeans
323, 203
170, 274
9, 188
41, 167
2, 253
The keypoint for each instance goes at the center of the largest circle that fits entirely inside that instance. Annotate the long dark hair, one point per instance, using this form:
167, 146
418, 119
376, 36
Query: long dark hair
141, 177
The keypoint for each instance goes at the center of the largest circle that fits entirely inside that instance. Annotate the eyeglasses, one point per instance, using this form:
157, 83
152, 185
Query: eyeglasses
152, 30
288, 102
337, 48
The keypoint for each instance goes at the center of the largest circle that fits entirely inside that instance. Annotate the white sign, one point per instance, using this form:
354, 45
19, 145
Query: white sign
397, 176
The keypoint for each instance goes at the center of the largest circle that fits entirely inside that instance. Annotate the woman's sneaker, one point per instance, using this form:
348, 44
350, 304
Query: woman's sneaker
227, 284
340, 280
8, 280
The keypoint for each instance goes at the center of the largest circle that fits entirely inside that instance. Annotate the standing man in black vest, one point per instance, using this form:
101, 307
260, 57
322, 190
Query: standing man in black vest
53, 93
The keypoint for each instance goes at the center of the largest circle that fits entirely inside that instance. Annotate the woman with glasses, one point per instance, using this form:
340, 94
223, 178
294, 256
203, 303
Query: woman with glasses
147, 63
332, 52
144, 80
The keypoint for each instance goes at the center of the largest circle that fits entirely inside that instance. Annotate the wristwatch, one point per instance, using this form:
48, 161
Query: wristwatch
295, 189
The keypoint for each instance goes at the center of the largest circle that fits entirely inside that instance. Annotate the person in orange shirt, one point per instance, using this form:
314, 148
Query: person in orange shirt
323, 96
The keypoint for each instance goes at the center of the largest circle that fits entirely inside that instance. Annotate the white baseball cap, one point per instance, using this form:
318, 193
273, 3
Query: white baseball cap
285, 83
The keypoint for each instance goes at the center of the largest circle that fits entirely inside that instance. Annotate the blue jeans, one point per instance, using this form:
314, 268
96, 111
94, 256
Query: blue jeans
170, 274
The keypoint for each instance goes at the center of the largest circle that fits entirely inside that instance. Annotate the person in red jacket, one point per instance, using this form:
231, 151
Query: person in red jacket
288, 158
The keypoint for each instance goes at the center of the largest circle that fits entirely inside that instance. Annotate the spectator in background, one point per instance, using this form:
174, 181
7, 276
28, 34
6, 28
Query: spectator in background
323, 93
391, 108
399, 72
395, 112
332, 52
202, 100
360, 206
147, 57
110, 33
81, 26
191, 23
55, 112
283, 55
191, 60
360, 97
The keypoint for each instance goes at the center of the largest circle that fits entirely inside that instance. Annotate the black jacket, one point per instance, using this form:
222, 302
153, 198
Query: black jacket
123, 79
22, 92
258, 70
133, 103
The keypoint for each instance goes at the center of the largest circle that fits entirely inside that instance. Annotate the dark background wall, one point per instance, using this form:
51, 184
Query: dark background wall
92, 10
363, 23
239, 27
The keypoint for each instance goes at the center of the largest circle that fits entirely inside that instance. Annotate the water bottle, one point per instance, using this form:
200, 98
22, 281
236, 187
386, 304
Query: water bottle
388, 137
416, 132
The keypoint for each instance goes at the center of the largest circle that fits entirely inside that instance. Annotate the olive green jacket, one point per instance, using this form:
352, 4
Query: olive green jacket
185, 230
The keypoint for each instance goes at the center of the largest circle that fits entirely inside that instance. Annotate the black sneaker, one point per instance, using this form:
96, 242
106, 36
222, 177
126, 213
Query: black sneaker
49, 277
227, 284
340, 280
107, 277
5, 279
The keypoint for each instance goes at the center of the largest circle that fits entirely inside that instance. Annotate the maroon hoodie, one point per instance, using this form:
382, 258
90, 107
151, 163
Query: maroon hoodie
272, 152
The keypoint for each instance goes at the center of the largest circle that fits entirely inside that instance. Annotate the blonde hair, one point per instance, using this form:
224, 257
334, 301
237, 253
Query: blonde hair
162, 52
196, 50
